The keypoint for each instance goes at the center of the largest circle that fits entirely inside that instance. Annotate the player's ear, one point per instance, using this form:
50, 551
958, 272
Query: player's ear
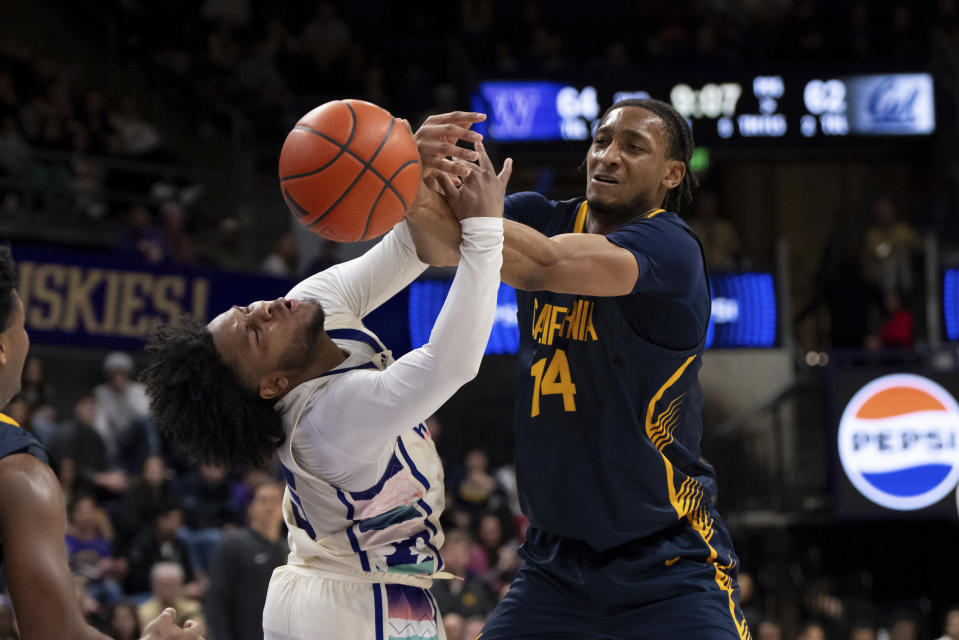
675, 172
273, 386
4, 348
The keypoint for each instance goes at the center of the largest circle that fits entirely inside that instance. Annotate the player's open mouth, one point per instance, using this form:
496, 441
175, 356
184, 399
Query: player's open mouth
605, 179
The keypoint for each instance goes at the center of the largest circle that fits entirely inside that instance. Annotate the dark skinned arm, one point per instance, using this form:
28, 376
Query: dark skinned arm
33, 526
582, 263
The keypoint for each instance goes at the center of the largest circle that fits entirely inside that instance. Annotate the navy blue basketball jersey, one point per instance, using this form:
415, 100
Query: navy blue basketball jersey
608, 407
14, 439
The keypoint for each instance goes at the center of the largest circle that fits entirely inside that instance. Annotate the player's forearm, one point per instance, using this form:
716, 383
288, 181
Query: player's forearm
527, 254
362, 284
419, 383
529, 257
435, 234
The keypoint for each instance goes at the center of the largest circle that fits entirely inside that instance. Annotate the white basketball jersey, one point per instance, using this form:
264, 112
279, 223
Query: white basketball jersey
364, 482
389, 532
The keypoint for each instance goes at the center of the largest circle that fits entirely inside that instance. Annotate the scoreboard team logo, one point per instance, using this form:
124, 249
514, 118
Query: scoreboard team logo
899, 442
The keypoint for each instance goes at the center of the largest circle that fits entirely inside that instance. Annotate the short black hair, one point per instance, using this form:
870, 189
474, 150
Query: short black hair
199, 404
680, 139
8, 283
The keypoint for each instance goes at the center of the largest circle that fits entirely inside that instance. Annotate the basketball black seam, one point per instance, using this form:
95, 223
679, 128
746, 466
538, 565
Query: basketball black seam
342, 149
347, 190
382, 191
300, 211
366, 166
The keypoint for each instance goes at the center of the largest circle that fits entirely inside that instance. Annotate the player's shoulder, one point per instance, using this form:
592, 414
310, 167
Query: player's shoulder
664, 239
665, 226
27, 482
538, 211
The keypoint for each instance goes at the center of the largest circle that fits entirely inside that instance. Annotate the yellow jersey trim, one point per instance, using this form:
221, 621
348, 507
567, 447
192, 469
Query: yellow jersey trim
580, 223
580, 218
5, 418
687, 501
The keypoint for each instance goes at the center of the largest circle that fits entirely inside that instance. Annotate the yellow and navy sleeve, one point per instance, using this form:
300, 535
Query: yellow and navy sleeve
669, 304
529, 208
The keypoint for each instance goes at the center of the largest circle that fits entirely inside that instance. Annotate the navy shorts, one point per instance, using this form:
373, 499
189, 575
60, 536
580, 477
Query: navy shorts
673, 585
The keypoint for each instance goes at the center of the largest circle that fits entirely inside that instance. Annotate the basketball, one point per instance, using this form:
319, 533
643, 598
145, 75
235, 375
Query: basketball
349, 170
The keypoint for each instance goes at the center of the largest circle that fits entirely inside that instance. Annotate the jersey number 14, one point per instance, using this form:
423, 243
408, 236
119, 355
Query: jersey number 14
553, 379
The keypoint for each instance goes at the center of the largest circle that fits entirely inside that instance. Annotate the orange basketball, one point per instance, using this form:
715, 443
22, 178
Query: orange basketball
349, 170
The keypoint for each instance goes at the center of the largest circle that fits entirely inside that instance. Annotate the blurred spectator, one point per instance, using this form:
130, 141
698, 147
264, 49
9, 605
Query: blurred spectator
19, 410
149, 493
862, 631
90, 607
475, 490
138, 138
467, 596
811, 631
851, 299
82, 454
492, 559
123, 623
205, 496
329, 255
477, 485
474, 627
453, 624
898, 327
140, 240
326, 38
284, 261
227, 252
243, 565
904, 626
243, 491
34, 388
768, 630
179, 248
90, 553
718, 235
14, 162
166, 581
950, 624
159, 543
123, 414
747, 596
890, 245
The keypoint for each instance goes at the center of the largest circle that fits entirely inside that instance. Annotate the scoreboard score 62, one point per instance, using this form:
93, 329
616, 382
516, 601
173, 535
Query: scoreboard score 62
754, 107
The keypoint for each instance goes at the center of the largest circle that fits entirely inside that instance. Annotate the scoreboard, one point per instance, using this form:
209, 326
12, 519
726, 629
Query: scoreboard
755, 108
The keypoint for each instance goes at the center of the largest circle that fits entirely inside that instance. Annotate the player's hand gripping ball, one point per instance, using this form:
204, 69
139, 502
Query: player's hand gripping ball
349, 170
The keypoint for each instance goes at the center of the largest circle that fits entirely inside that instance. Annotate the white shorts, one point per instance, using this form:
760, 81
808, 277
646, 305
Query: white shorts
300, 606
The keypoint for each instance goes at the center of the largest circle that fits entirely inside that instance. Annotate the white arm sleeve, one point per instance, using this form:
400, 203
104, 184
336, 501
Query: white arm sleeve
355, 288
367, 409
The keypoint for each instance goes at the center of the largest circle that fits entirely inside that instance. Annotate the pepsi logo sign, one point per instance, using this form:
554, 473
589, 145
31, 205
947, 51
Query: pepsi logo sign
899, 442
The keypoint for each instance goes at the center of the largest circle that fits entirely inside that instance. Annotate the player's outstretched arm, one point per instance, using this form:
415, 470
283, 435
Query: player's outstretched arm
582, 263
383, 404
33, 527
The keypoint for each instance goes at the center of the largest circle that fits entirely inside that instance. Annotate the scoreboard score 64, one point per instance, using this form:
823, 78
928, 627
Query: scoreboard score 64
793, 107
